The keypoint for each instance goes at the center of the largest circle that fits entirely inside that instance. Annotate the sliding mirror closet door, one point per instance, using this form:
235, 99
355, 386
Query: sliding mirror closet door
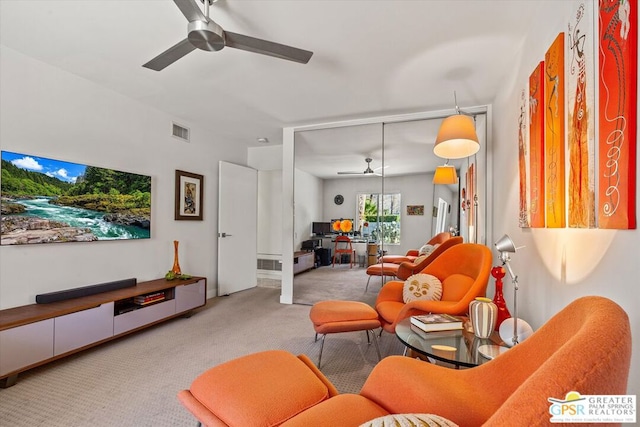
395, 208
337, 171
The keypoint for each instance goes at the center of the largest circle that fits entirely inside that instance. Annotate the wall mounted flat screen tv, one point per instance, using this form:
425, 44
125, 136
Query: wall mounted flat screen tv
52, 201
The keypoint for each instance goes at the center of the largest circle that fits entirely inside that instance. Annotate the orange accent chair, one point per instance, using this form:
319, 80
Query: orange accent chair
412, 254
586, 347
463, 270
342, 246
408, 268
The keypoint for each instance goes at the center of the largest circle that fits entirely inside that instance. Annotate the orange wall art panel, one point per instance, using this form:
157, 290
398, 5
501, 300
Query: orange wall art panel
554, 134
536, 147
581, 117
617, 145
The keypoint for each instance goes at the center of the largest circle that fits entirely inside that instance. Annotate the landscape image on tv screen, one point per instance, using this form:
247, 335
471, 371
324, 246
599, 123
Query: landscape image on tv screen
52, 201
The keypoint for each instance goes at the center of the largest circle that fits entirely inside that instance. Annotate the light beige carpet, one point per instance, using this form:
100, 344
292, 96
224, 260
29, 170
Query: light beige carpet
339, 282
133, 381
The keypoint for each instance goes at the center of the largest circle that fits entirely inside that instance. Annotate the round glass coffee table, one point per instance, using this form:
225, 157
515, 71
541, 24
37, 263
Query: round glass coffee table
458, 348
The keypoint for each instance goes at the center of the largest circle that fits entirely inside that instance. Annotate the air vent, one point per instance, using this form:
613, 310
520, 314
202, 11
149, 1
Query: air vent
269, 264
180, 132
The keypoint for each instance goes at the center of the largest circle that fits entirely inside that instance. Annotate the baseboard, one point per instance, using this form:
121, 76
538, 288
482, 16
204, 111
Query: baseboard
269, 274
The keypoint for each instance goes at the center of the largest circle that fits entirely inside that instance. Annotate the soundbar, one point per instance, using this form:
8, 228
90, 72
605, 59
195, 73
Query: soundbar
85, 291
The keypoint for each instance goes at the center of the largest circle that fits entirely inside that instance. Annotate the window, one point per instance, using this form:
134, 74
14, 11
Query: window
379, 217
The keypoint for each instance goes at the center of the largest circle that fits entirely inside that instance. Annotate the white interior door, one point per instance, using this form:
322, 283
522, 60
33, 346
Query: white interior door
443, 206
237, 228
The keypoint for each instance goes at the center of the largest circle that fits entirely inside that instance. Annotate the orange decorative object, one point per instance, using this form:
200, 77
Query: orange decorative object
554, 133
346, 225
581, 123
336, 225
536, 147
618, 106
176, 264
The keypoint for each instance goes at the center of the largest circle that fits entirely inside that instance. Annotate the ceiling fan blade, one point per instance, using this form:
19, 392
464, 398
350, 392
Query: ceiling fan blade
190, 10
264, 47
349, 173
170, 55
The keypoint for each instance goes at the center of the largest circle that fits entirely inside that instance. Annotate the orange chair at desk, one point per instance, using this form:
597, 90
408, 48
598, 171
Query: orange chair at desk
343, 246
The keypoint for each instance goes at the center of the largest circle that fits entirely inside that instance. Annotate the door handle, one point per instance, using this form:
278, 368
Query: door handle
224, 235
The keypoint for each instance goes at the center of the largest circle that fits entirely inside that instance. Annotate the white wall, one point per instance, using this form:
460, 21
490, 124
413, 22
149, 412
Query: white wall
268, 161
556, 266
47, 112
269, 214
415, 190
267, 158
308, 205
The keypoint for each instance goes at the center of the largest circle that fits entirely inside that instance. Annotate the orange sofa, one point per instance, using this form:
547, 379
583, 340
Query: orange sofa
464, 272
586, 347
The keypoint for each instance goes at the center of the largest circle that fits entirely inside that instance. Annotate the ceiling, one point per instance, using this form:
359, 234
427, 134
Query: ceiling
371, 58
408, 149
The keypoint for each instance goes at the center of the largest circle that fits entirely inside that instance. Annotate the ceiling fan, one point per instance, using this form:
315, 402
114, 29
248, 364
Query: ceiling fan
205, 34
367, 171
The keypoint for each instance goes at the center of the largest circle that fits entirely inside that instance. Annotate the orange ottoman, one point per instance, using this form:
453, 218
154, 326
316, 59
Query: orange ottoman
385, 269
330, 317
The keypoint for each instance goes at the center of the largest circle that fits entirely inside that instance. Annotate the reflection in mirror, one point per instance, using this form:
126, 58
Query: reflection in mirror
331, 180
333, 169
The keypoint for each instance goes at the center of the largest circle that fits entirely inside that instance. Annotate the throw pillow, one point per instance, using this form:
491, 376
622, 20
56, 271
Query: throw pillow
420, 259
410, 420
426, 250
422, 286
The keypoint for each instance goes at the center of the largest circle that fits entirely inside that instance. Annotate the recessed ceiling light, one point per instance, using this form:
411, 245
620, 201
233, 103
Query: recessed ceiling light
263, 140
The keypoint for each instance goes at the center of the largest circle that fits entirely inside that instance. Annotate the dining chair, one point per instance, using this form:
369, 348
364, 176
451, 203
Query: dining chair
343, 246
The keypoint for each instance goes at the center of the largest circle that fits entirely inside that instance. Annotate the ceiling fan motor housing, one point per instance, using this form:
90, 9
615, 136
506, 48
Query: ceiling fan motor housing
206, 35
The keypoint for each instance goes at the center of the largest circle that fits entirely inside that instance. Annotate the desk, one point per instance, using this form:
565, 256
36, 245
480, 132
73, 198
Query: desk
465, 343
359, 244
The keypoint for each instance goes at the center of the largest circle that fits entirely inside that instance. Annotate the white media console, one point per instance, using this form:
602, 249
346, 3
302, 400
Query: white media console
36, 334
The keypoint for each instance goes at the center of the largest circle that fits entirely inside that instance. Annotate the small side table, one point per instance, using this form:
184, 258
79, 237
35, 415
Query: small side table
465, 343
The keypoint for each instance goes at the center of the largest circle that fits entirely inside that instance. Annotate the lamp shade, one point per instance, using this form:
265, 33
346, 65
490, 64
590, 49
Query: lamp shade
456, 138
505, 244
445, 175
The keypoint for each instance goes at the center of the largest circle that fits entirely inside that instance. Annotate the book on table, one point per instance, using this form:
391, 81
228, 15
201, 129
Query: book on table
149, 298
437, 322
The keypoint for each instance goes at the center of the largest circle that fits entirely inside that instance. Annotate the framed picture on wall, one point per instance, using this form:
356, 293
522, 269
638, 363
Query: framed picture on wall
189, 196
415, 209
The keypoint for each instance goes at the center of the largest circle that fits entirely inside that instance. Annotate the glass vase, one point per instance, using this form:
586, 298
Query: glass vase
176, 264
